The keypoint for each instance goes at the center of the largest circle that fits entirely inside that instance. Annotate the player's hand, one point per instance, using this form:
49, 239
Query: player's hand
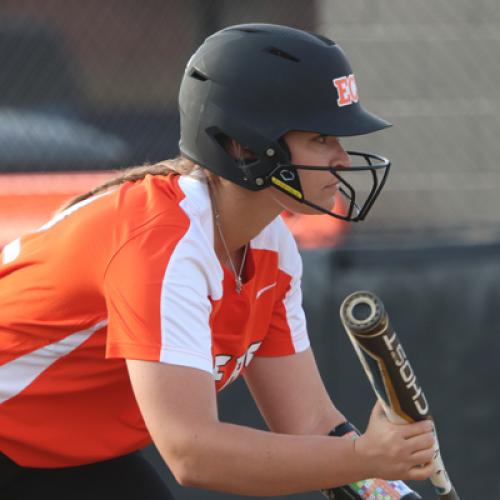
396, 451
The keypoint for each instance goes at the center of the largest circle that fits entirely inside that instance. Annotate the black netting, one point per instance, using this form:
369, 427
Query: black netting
93, 85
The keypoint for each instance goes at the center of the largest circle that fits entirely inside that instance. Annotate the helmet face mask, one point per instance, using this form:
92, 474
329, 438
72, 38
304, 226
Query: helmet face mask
253, 84
356, 197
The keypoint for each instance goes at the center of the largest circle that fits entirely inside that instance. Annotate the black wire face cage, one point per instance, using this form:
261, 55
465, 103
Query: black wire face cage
358, 185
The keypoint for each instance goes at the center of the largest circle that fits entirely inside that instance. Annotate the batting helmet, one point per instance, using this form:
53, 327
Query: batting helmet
254, 83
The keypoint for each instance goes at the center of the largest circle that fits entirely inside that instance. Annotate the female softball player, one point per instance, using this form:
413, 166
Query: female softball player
123, 315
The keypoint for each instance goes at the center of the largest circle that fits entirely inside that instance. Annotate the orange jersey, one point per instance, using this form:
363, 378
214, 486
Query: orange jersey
129, 274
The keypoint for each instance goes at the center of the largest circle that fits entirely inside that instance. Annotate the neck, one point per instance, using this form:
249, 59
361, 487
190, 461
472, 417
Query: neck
243, 214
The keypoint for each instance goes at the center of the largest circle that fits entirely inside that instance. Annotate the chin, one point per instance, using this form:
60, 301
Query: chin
296, 207
306, 210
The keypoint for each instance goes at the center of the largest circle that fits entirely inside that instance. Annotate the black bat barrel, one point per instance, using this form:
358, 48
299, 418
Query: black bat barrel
389, 370
367, 322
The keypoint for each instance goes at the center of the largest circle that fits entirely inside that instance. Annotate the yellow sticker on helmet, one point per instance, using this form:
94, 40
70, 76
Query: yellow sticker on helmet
287, 188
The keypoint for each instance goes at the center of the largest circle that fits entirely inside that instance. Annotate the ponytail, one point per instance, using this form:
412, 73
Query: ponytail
175, 166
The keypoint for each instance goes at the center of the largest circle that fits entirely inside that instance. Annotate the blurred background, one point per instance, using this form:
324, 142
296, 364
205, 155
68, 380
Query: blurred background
87, 88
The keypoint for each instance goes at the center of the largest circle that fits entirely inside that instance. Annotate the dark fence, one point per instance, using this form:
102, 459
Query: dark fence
445, 304
93, 85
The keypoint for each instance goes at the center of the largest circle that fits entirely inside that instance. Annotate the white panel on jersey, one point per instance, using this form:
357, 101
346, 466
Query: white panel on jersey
19, 373
295, 317
192, 276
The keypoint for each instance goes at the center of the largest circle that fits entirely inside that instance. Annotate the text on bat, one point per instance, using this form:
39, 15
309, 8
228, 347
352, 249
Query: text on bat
406, 371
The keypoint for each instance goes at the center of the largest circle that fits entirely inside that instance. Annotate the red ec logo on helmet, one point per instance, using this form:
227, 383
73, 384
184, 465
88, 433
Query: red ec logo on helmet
347, 90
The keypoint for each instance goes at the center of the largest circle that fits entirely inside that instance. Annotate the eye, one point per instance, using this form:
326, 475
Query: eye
321, 139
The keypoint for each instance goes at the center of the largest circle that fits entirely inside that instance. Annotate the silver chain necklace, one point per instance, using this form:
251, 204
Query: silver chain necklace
238, 280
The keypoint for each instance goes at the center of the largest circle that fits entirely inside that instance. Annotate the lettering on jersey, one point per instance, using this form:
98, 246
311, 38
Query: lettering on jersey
222, 360
347, 90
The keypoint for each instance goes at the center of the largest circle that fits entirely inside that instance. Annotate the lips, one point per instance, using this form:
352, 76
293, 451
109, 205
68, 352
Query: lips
331, 187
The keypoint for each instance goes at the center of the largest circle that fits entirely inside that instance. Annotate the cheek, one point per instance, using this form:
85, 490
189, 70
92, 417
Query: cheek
306, 157
312, 181
288, 203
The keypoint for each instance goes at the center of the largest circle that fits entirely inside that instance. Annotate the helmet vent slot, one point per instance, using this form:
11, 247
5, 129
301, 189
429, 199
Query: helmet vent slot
248, 30
281, 53
198, 75
325, 40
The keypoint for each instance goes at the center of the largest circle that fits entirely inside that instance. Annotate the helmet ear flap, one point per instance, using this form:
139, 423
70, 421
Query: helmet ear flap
260, 158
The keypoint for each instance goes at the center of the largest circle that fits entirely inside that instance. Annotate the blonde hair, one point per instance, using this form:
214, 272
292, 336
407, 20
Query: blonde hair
174, 166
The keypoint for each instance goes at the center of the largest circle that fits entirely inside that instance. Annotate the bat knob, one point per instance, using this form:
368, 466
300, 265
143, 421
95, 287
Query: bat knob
362, 312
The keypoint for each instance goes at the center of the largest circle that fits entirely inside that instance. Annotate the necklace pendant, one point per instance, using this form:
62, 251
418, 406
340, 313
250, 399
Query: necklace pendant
238, 284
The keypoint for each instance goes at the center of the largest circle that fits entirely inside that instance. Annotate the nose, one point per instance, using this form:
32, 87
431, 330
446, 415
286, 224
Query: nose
340, 157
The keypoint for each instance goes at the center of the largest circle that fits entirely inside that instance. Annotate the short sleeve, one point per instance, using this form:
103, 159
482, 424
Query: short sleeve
155, 289
287, 330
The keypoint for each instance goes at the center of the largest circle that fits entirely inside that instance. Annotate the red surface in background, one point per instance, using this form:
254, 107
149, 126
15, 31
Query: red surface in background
27, 201
318, 231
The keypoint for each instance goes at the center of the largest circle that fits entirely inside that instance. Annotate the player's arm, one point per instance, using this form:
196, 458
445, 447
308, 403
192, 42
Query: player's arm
179, 408
293, 399
290, 394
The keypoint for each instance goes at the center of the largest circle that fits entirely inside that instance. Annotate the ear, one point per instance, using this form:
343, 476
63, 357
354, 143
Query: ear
238, 152
234, 148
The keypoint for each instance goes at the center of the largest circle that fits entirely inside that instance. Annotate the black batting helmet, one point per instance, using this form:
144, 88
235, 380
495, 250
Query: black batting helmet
254, 83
